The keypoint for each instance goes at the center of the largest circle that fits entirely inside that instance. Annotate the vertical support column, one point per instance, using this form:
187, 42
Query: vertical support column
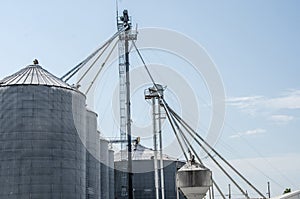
229, 191
128, 115
269, 191
162, 181
122, 98
212, 191
155, 93
155, 148
209, 192
176, 184
125, 112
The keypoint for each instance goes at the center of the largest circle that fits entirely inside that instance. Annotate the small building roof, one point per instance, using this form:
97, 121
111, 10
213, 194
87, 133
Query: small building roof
291, 195
140, 152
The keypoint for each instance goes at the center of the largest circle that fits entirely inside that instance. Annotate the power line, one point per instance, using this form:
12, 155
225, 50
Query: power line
194, 135
74, 70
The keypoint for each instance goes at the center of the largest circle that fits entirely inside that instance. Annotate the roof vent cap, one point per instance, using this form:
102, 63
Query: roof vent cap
35, 61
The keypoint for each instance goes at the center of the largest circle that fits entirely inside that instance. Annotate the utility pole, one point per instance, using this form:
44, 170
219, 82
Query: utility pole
269, 191
229, 191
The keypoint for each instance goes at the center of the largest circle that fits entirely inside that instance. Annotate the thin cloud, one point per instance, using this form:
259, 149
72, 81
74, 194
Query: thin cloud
254, 105
281, 119
248, 104
291, 100
253, 132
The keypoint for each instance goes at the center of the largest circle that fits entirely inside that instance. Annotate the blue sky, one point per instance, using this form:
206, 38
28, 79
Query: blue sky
255, 45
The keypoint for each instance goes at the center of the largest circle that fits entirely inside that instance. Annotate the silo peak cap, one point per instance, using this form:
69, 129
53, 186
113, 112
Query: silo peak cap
35, 61
34, 75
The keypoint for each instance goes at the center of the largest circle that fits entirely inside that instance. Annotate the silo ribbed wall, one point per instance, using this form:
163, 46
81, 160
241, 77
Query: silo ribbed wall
93, 155
104, 169
143, 182
41, 154
111, 174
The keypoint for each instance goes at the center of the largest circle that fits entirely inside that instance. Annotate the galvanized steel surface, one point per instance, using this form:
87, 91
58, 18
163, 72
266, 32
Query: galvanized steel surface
143, 183
104, 169
93, 157
140, 152
194, 180
33, 75
111, 174
42, 154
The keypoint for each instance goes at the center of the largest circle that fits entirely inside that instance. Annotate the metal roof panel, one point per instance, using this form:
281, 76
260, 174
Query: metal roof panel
33, 75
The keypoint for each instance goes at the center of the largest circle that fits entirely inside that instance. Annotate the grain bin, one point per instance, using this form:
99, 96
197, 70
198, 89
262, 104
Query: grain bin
42, 136
104, 171
111, 174
92, 157
143, 173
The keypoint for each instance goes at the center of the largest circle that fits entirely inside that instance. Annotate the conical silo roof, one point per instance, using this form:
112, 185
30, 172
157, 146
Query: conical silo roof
140, 152
33, 75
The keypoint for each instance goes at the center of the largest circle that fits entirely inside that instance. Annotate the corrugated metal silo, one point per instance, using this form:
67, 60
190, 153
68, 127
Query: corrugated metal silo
143, 174
92, 156
104, 171
42, 135
111, 174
